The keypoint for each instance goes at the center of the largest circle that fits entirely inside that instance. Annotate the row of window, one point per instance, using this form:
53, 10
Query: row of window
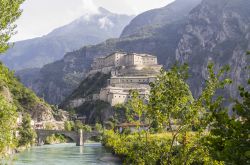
134, 81
141, 97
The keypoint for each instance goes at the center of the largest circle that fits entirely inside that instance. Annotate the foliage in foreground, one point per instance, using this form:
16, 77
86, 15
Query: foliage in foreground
230, 135
151, 149
197, 130
8, 117
26, 132
9, 12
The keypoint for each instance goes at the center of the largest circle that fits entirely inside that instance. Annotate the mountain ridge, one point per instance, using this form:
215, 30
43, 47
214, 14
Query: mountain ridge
187, 40
170, 13
37, 52
74, 65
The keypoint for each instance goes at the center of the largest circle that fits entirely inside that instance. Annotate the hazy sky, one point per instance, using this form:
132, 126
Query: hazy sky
42, 16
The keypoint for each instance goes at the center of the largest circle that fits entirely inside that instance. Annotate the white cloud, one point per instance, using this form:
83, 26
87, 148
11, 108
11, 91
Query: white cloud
89, 8
85, 10
105, 23
39, 18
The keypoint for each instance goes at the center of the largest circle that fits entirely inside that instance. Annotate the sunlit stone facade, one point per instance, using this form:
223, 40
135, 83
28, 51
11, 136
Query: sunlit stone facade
129, 71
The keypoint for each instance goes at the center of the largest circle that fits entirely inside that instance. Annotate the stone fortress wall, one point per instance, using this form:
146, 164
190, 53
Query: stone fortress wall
124, 63
124, 59
129, 71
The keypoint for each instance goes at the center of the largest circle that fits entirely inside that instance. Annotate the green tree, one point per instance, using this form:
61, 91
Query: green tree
68, 126
78, 125
184, 119
9, 12
87, 128
229, 140
98, 127
169, 96
135, 108
172, 106
26, 132
8, 118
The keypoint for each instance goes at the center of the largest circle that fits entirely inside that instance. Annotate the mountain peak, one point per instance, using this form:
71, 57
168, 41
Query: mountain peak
103, 10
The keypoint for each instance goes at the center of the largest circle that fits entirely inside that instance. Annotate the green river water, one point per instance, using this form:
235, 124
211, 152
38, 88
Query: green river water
66, 154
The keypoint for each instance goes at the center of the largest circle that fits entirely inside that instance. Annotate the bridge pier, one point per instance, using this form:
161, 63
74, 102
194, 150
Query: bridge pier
80, 141
40, 141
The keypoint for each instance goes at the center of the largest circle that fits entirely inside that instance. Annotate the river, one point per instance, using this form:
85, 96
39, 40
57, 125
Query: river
66, 154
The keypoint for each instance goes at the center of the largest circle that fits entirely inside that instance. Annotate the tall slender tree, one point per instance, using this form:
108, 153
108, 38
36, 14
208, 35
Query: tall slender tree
9, 13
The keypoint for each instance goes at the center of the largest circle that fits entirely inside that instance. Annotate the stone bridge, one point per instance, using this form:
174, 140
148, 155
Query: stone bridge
79, 137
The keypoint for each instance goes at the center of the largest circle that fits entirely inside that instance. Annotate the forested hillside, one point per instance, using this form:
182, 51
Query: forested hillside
22, 98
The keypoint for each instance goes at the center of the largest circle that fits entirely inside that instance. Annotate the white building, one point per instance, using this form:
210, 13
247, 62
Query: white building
128, 72
118, 95
115, 60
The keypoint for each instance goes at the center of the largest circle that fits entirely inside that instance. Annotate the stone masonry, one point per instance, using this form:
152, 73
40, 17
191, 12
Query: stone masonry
129, 71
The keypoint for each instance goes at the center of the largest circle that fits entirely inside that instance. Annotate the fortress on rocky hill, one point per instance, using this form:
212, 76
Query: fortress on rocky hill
128, 71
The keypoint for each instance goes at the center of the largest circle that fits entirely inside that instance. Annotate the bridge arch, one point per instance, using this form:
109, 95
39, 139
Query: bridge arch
78, 137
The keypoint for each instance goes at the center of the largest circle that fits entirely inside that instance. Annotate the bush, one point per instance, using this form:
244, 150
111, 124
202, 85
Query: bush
26, 132
87, 128
68, 126
98, 127
153, 148
55, 138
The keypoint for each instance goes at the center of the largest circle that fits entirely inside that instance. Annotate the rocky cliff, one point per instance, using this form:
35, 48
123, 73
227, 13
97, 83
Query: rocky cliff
215, 30
169, 14
218, 31
23, 99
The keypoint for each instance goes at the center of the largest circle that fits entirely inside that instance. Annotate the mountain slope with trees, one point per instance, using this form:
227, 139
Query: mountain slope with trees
63, 76
220, 34
86, 30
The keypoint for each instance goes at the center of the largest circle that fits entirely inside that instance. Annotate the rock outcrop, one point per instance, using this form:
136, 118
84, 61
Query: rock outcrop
169, 14
217, 31
23, 99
